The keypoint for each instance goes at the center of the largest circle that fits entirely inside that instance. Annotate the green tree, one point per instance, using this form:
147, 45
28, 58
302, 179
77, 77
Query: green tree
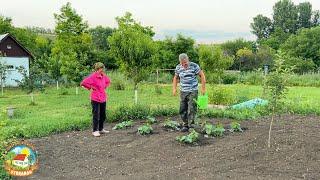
265, 56
165, 57
73, 45
305, 44
304, 15
27, 39
170, 48
100, 35
5, 25
245, 59
300, 65
231, 48
10, 156
275, 84
262, 26
285, 16
133, 48
277, 38
212, 59
101, 46
184, 44
69, 23
315, 20
3, 74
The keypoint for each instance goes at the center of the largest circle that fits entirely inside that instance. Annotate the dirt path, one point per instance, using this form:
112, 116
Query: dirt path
295, 154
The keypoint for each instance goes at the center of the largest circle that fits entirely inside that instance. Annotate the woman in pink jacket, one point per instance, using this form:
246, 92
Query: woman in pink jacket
97, 82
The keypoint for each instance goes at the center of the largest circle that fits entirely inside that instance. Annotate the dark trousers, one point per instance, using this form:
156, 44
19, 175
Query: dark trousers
188, 107
98, 115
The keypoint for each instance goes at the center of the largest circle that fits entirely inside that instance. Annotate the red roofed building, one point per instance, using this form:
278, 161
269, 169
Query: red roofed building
21, 160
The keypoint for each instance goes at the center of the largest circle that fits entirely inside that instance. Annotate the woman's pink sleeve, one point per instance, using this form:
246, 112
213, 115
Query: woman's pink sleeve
87, 83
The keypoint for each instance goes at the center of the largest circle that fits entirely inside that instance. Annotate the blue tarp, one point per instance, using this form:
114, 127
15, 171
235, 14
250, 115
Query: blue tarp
250, 104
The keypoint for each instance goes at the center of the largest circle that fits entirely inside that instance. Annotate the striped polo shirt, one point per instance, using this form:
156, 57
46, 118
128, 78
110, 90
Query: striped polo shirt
188, 77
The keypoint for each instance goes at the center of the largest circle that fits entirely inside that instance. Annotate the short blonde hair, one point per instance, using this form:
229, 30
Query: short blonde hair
98, 65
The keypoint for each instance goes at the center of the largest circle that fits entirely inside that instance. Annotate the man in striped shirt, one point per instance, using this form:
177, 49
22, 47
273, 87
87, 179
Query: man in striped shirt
187, 73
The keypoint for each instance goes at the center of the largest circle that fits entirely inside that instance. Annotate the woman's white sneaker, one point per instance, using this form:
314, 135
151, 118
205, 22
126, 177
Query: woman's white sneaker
103, 131
96, 133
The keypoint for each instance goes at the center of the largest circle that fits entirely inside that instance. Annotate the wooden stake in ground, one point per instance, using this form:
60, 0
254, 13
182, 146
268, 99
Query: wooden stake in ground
270, 128
57, 85
77, 90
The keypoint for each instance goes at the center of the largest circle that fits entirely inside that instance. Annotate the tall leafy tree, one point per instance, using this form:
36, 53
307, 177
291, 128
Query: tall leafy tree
285, 16
315, 20
262, 26
170, 48
277, 38
231, 48
305, 44
100, 35
276, 88
304, 15
101, 46
184, 44
166, 57
265, 55
73, 46
133, 48
246, 59
5, 25
212, 59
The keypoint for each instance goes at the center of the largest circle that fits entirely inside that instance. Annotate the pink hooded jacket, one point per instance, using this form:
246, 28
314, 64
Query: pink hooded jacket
98, 83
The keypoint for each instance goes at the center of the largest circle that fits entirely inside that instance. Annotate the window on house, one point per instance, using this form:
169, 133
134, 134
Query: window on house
9, 46
10, 66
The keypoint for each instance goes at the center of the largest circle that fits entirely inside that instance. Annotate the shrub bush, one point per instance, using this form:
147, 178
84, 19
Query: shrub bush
222, 96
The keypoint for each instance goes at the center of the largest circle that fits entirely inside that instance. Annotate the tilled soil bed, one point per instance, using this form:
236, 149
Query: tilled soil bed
123, 154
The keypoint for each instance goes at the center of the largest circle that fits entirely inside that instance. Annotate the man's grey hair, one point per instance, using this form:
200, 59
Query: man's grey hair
183, 56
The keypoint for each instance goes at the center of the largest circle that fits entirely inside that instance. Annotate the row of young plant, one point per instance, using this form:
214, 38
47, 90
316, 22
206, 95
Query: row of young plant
135, 112
206, 128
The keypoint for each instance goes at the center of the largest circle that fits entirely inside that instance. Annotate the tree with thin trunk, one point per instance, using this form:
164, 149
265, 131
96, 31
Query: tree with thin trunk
3, 73
275, 85
133, 48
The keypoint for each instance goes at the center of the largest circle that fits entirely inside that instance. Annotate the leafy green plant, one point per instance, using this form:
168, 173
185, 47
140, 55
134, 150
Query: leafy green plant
218, 130
145, 129
208, 128
222, 95
123, 125
137, 111
235, 127
191, 138
118, 85
158, 89
213, 130
151, 120
63, 91
170, 124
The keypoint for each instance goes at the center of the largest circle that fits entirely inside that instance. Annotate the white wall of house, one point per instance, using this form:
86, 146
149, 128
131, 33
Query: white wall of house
13, 74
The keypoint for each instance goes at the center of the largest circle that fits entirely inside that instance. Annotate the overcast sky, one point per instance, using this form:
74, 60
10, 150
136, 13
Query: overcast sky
204, 20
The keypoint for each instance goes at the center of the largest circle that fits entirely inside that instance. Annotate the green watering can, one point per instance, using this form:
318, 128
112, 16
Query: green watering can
203, 101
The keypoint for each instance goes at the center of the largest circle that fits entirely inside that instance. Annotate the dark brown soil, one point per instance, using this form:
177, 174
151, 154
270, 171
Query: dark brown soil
123, 154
